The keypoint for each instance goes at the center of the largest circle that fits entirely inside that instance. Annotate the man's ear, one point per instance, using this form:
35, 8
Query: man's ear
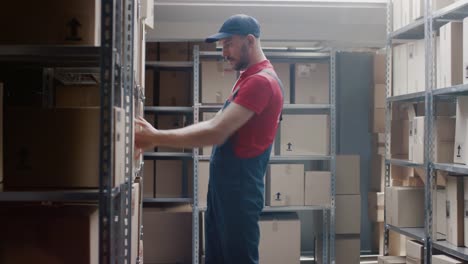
251, 40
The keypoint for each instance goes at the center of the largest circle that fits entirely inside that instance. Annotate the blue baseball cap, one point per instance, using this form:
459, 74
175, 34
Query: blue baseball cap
237, 25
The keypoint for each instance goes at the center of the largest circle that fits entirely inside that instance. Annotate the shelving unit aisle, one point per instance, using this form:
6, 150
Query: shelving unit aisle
425, 28
328, 212
113, 56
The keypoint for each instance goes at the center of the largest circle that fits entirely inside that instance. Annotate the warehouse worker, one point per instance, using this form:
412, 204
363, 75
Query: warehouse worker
242, 134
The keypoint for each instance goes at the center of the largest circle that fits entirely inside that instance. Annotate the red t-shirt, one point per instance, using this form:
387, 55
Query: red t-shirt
261, 93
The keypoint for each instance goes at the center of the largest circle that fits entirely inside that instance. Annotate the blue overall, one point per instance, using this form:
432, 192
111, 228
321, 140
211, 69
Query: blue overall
235, 202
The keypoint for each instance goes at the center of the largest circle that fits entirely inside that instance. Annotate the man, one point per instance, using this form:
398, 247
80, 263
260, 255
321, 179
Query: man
242, 134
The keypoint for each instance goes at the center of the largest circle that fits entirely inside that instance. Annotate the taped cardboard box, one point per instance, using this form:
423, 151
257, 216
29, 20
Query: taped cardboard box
175, 88
379, 120
380, 72
317, 188
284, 74
455, 209
451, 58
174, 51
400, 68
441, 209
414, 250
312, 83
347, 249
64, 150
348, 174
280, 239
460, 154
376, 204
416, 69
217, 81
348, 214
295, 135
405, 206
170, 178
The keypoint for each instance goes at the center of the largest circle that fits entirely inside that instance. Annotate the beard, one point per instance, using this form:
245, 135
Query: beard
243, 59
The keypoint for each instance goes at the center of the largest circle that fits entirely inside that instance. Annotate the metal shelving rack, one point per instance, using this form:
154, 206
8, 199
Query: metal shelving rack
115, 60
328, 212
424, 28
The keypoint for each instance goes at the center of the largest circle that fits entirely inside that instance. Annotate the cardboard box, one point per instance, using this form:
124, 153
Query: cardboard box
444, 138
169, 178
136, 206
71, 138
441, 209
166, 122
203, 179
284, 74
414, 250
376, 202
443, 259
416, 66
465, 51
399, 139
167, 236
348, 214
396, 244
280, 239
455, 206
379, 120
417, 10
413, 261
149, 87
317, 188
438, 4
348, 174
400, 69
39, 24
312, 83
50, 234
377, 237
380, 63
405, 206
391, 260
406, 12
285, 185
216, 82
377, 177
296, 135
175, 88
461, 123
397, 14
451, 48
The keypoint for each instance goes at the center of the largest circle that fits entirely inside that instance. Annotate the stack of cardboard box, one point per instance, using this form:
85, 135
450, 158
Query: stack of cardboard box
406, 12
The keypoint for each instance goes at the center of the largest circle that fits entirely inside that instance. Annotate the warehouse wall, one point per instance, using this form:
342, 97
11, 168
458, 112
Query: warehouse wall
353, 125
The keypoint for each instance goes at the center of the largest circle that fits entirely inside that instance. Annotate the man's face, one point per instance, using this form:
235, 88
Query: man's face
236, 51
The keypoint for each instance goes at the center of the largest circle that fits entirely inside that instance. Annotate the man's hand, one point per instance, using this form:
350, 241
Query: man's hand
145, 135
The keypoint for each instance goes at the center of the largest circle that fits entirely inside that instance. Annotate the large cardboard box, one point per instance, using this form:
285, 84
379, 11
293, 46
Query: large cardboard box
377, 177
348, 174
167, 236
438, 4
165, 122
397, 14
444, 138
149, 87
305, 135
376, 203
380, 63
206, 151
348, 214
396, 244
400, 69
441, 209
51, 22
406, 12
52, 234
284, 74
405, 206
379, 95
451, 48
317, 188
465, 51
455, 206
414, 250
312, 83
63, 151
443, 259
417, 10
203, 179
216, 82
416, 68
460, 154
280, 239
285, 185
391, 260
77, 96
378, 120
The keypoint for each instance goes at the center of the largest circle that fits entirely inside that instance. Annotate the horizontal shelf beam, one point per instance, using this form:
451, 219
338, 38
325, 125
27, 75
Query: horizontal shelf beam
459, 252
167, 155
416, 233
455, 11
404, 163
169, 109
270, 209
456, 90
462, 170
415, 30
167, 200
52, 196
419, 96
285, 159
170, 65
